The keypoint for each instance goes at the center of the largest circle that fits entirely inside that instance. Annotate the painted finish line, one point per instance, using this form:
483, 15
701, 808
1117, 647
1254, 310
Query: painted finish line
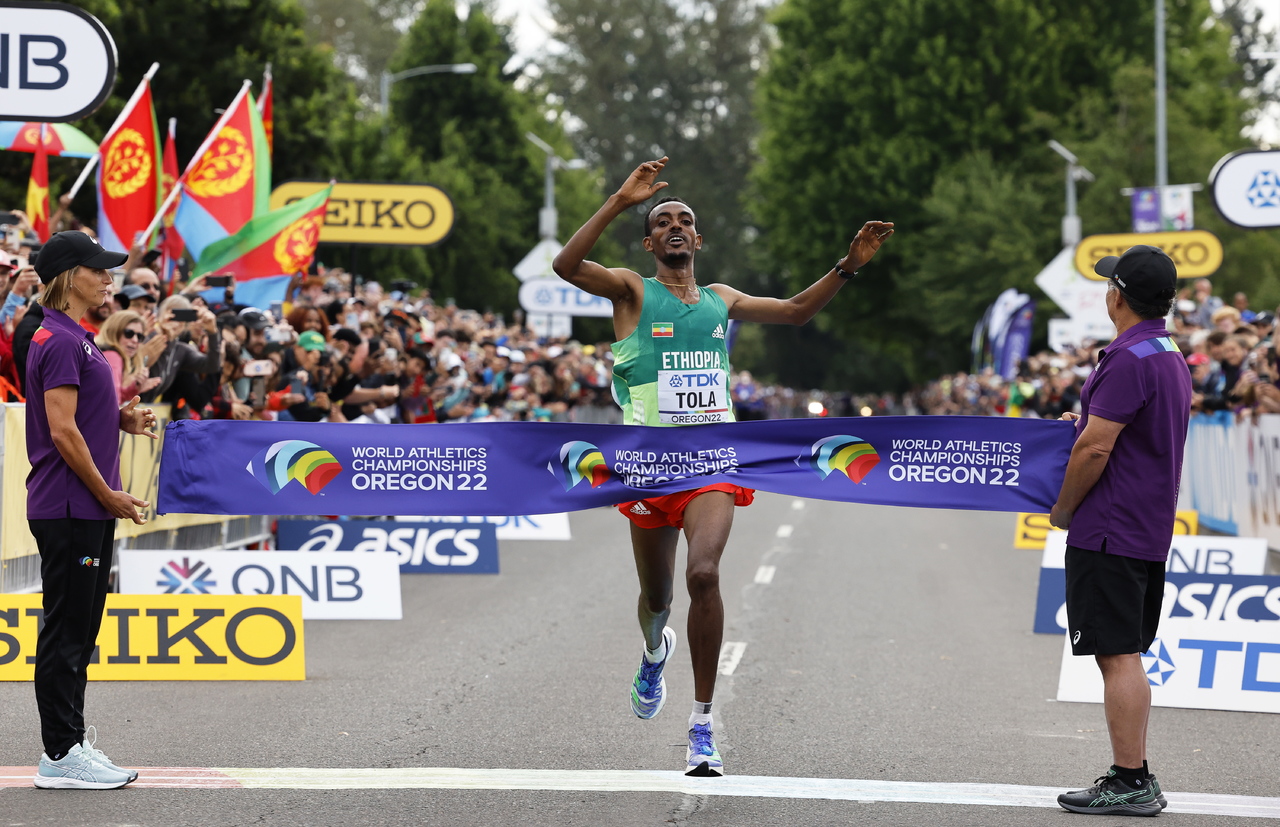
608, 781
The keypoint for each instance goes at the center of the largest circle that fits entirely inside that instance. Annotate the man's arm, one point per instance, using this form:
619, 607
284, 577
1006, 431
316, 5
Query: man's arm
1089, 458
802, 307
572, 265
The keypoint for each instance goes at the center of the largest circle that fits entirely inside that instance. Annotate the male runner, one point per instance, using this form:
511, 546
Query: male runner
665, 326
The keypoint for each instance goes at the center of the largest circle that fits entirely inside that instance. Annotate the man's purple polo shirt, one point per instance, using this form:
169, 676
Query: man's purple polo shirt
62, 353
1141, 380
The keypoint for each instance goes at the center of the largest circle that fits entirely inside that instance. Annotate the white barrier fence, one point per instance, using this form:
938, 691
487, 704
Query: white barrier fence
1231, 474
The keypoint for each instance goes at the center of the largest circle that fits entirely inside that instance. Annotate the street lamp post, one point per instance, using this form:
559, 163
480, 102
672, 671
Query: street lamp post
389, 78
547, 215
1071, 232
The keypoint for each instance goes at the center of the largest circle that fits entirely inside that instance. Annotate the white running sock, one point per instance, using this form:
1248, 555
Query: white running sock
656, 655
701, 714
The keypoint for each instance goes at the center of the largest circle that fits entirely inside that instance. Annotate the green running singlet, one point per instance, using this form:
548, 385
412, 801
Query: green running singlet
674, 368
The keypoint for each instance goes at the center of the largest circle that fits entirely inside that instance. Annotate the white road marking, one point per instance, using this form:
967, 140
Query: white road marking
785, 530
764, 574
797, 505
758, 786
730, 655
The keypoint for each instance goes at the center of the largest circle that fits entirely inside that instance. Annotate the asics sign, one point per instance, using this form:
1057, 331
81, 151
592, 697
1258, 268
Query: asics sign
470, 548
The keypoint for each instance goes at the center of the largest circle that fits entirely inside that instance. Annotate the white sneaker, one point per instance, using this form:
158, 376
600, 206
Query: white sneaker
77, 770
101, 757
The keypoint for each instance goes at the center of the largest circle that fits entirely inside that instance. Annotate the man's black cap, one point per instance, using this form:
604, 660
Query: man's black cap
130, 294
1143, 272
70, 249
255, 319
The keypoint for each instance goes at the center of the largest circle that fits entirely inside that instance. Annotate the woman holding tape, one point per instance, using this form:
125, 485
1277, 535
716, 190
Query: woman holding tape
74, 498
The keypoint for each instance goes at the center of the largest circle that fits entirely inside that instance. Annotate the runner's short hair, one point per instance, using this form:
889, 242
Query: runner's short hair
648, 225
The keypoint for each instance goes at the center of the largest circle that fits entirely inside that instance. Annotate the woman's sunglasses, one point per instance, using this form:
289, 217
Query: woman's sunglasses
131, 334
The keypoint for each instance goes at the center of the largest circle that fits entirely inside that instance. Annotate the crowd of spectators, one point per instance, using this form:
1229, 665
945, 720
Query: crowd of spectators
343, 349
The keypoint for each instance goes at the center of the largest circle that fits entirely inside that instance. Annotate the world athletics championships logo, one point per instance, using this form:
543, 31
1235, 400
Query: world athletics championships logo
850, 455
580, 461
294, 459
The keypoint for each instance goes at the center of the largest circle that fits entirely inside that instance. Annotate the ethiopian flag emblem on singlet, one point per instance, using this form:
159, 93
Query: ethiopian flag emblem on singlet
663, 330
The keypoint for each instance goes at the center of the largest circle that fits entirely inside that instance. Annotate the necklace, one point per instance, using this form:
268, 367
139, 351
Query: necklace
675, 283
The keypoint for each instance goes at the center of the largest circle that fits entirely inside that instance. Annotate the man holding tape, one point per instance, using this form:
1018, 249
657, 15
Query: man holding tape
672, 368
1118, 501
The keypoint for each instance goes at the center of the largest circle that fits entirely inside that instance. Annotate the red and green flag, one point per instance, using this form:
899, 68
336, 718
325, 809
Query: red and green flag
171, 240
129, 173
265, 109
269, 250
38, 192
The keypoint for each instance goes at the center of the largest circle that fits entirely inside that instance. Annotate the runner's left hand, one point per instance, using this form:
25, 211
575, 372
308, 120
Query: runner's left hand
866, 243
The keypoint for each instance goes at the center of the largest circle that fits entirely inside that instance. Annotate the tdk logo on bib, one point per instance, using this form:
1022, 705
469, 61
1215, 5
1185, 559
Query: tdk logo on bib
706, 379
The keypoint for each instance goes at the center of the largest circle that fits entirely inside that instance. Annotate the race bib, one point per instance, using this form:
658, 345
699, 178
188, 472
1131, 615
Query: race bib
693, 397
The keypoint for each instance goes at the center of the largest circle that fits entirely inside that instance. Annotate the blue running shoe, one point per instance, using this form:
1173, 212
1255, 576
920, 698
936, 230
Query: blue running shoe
649, 688
101, 757
77, 771
703, 759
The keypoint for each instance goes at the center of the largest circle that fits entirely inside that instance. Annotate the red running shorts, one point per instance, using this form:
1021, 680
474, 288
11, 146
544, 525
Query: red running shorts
659, 512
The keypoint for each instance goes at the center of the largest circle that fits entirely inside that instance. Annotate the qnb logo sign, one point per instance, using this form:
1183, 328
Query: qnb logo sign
846, 454
1157, 663
186, 577
579, 461
294, 459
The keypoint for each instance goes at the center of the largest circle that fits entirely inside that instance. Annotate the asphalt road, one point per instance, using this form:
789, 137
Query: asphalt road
890, 645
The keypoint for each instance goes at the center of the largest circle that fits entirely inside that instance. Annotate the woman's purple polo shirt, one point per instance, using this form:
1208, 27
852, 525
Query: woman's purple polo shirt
63, 353
1141, 380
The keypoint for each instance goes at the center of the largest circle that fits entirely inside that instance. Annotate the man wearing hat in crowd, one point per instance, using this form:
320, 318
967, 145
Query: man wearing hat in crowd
74, 499
1118, 500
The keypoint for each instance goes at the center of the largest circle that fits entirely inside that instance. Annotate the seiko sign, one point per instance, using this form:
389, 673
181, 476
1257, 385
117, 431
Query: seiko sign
556, 296
57, 62
419, 215
1246, 188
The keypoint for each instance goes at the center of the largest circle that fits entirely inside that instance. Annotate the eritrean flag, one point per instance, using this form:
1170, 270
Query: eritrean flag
129, 173
228, 181
265, 109
38, 193
171, 239
269, 250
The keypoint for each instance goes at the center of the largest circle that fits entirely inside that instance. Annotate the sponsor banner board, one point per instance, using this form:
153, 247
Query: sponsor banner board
558, 296
1030, 530
1188, 555
522, 527
454, 548
172, 637
1246, 188
383, 214
333, 586
1195, 664
1196, 253
57, 62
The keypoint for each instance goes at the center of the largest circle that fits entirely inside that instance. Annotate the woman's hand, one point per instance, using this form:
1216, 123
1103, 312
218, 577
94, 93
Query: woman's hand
137, 421
124, 506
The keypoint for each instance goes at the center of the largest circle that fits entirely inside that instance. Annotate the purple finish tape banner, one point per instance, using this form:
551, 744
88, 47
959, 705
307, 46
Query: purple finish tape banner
967, 462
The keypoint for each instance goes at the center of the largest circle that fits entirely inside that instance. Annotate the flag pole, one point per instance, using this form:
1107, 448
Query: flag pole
266, 78
97, 156
177, 185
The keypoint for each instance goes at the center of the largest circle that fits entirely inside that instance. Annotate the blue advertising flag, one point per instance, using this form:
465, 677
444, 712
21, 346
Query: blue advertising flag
966, 462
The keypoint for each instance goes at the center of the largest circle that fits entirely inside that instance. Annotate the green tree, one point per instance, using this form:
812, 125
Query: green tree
652, 77
934, 115
362, 35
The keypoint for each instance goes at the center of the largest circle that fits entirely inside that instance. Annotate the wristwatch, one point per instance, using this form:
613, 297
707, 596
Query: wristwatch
843, 273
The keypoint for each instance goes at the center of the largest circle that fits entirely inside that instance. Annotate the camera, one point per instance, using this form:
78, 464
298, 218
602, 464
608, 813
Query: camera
185, 315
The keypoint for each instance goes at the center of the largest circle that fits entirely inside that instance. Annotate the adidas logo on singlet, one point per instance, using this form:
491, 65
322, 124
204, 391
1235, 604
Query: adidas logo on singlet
639, 508
718, 333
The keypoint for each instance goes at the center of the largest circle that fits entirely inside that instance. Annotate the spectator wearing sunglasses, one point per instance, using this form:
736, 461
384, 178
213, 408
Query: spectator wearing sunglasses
120, 341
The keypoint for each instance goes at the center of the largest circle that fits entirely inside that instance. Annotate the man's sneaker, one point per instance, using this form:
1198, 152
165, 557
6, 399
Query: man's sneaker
1155, 787
78, 771
649, 688
703, 759
1111, 796
101, 757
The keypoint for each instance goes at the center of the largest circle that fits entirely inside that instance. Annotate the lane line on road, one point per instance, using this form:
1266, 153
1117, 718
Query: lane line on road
785, 530
797, 505
730, 655
764, 574
650, 781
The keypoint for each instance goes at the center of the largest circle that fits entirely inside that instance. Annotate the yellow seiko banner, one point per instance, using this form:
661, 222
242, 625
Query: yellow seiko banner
364, 213
1031, 530
172, 637
139, 475
1196, 253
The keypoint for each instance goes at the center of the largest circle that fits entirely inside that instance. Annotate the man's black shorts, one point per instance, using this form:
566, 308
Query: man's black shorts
1113, 602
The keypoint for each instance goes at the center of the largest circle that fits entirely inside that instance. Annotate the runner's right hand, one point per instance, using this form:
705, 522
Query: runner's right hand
642, 184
